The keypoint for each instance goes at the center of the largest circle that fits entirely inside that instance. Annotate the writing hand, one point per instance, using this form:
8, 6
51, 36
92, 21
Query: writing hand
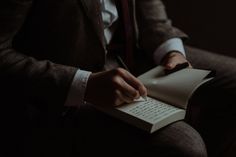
113, 88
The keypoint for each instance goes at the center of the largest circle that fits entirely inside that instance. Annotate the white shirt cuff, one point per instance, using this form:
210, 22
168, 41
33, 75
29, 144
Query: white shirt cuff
77, 89
174, 44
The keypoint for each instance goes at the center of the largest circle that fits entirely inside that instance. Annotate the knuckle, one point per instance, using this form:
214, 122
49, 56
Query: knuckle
140, 87
142, 90
134, 94
120, 71
117, 92
115, 80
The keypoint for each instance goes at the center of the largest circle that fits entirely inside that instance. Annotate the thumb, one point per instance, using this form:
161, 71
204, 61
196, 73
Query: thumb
169, 65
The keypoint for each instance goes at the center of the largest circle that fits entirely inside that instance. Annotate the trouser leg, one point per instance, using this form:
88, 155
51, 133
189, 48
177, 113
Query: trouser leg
99, 134
215, 102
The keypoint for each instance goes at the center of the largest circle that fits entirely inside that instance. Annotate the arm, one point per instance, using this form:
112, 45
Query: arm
47, 84
38, 81
170, 54
153, 24
155, 32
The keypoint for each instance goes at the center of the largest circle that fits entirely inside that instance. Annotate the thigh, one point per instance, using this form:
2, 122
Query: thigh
215, 101
223, 66
106, 136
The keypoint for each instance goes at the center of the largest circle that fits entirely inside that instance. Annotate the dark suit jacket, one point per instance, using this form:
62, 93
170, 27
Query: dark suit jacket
43, 42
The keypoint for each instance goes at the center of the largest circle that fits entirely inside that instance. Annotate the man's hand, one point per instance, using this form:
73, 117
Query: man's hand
113, 88
172, 59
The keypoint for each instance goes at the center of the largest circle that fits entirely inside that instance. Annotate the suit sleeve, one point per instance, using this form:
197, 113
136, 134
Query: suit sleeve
153, 24
36, 82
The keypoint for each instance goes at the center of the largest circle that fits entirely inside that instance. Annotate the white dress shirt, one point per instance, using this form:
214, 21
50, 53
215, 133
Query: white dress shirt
109, 16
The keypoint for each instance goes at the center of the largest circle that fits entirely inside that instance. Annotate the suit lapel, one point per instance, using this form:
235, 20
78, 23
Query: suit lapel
93, 11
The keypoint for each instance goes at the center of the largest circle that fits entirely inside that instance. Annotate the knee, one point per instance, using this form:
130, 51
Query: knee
194, 150
182, 140
190, 142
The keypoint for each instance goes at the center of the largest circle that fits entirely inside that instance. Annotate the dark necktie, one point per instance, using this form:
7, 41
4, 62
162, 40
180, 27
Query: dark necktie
128, 33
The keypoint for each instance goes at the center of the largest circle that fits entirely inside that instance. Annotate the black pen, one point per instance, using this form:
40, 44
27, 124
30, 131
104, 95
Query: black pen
121, 62
177, 68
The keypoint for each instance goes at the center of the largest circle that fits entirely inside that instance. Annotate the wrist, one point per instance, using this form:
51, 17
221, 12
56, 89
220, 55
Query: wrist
173, 53
77, 89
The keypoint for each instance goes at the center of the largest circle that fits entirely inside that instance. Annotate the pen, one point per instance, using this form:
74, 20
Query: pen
177, 68
121, 62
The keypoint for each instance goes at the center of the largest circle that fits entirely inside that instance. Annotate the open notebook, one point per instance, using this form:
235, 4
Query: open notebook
168, 97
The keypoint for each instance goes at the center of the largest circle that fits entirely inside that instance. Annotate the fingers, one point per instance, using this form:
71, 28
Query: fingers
113, 87
173, 59
128, 90
121, 98
131, 86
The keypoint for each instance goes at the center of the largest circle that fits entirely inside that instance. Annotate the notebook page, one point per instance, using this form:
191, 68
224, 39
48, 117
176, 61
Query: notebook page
151, 110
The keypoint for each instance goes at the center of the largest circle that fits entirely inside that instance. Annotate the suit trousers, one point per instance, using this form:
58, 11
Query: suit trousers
213, 106
210, 124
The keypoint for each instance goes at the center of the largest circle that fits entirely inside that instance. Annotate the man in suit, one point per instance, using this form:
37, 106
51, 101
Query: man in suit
57, 55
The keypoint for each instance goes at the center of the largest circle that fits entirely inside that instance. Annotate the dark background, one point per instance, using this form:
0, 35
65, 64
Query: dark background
211, 24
